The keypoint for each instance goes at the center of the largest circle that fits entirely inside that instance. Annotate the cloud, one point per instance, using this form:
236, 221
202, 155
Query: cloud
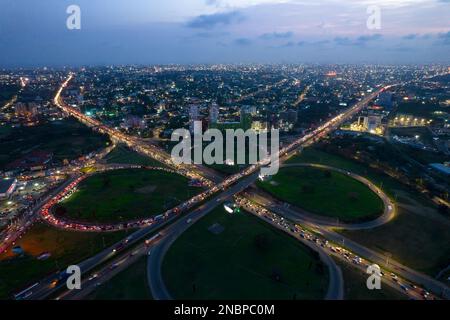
289, 44
343, 41
372, 37
242, 42
277, 35
213, 20
444, 38
350, 3
412, 36
209, 35
363, 40
320, 42
360, 41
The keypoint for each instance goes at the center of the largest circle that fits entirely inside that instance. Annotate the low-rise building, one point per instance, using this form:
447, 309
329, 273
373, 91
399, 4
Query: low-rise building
7, 187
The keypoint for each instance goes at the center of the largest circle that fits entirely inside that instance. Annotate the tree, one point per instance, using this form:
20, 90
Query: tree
443, 209
60, 210
276, 275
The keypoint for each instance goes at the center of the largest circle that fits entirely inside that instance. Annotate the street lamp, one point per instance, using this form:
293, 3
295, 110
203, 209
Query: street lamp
388, 256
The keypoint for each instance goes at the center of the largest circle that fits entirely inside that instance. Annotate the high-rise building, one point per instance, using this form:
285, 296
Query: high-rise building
213, 113
20, 108
26, 110
133, 122
194, 115
373, 123
363, 122
249, 110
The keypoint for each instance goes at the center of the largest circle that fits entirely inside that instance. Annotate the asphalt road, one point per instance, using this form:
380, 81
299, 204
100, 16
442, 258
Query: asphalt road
91, 281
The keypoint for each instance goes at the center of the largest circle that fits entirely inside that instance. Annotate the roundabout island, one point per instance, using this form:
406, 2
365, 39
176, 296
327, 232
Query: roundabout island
327, 193
125, 195
118, 197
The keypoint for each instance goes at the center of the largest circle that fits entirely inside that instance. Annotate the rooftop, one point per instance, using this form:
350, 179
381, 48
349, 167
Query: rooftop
5, 184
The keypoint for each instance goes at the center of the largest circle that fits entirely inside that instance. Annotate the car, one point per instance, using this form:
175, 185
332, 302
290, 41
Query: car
114, 266
54, 283
94, 276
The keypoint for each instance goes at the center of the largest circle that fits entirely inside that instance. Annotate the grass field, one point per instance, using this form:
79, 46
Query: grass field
123, 155
356, 289
66, 139
418, 237
124, 195
248, 259
130, 284
389, 185
65, 248
306, 188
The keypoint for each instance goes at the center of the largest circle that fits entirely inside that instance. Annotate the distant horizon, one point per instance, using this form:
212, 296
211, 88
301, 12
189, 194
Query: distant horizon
193, 65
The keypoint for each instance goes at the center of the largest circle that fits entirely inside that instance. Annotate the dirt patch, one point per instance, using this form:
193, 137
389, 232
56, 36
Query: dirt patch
216, 229
147, 189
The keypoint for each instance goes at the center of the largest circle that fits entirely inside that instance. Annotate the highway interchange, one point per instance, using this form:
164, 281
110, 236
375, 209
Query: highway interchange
312, 232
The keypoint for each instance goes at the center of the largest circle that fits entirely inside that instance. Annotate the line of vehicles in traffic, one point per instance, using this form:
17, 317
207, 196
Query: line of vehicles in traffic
412, 290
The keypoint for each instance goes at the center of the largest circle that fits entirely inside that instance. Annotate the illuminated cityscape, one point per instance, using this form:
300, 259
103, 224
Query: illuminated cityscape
94, 204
